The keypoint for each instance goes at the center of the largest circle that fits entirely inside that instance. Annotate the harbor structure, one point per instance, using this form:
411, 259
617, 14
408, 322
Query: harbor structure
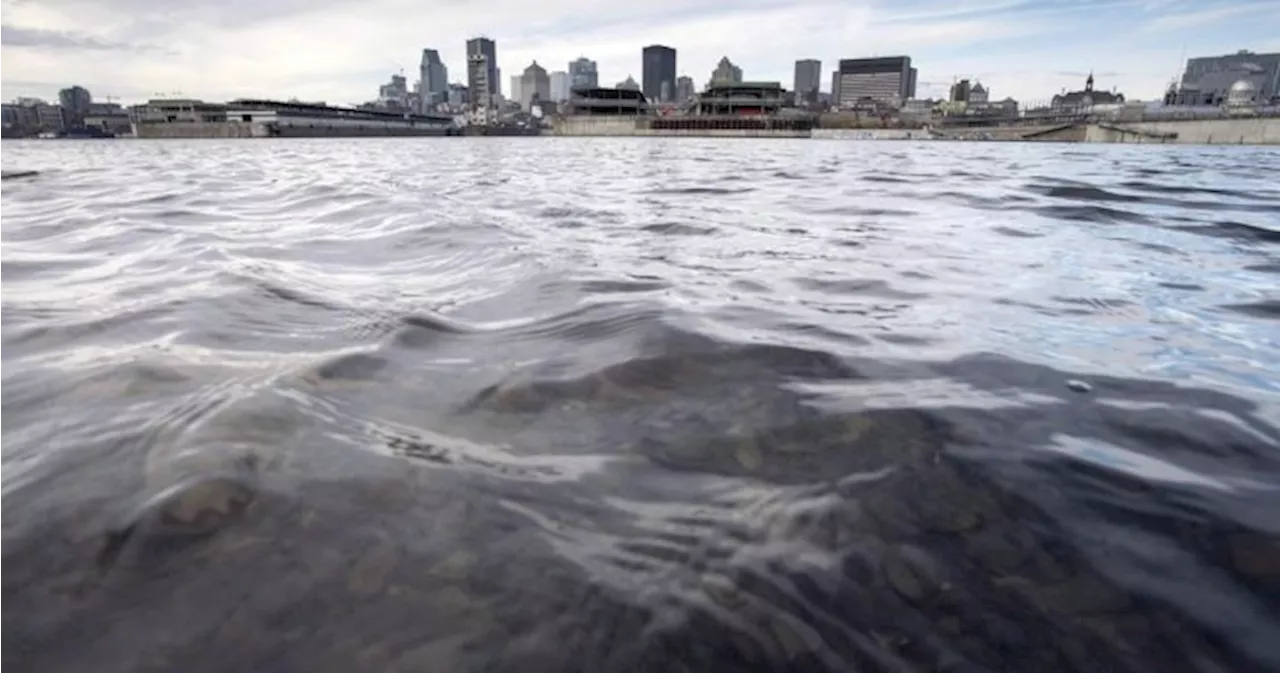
746, 109
658, 74
254, 118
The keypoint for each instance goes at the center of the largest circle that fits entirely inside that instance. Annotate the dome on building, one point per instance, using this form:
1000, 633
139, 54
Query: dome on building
1242, 92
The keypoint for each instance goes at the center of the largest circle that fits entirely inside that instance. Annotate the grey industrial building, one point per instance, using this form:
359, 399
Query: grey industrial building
888, 79
658, 75
1208, 80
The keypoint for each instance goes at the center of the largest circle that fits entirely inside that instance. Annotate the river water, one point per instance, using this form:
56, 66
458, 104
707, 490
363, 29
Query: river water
537, 404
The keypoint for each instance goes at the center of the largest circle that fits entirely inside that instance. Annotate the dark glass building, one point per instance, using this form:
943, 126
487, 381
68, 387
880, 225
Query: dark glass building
483, 46
659, 72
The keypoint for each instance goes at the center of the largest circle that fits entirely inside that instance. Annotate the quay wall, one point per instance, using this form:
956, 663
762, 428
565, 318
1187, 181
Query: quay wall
872, 134
634, 126
1242, 131
200, 130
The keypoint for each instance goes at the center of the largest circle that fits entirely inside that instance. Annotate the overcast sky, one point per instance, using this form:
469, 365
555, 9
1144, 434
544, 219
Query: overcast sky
341, 50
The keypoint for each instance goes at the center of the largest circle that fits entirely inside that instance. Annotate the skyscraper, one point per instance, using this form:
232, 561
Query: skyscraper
725, 73
658, 65
583, 74
482, 53
535, 85
808, 79
433, 80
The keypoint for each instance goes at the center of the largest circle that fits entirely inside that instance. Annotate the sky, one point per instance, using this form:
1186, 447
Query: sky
340, 51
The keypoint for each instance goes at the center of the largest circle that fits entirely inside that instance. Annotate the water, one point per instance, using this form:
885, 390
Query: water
640, 404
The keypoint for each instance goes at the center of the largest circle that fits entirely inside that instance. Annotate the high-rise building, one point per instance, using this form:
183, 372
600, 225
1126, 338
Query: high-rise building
516, 93
559, 86
725, 73
887, 79
583, 74
482, 55
75, 103
808, 79
433, 82
658, 65
629, 84
684, 89
535, 85
394, 94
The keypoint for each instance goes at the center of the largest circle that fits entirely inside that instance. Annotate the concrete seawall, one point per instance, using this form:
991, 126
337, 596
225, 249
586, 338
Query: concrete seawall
200, 130
633, 126
1243, 131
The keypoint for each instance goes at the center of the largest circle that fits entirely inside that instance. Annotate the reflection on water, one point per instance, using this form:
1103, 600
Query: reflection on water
640, 405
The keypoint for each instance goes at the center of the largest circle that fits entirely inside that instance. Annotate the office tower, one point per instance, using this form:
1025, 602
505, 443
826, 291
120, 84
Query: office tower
583, 74
808, 79
483, 53
658, 65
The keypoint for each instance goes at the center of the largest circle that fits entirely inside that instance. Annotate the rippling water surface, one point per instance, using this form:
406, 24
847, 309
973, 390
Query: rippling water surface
640, 405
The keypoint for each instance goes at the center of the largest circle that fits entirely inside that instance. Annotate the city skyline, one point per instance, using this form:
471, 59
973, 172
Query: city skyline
1016, 48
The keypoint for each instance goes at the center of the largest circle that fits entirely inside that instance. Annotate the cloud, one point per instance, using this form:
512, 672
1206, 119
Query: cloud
341, 50
1204, 17
14, 36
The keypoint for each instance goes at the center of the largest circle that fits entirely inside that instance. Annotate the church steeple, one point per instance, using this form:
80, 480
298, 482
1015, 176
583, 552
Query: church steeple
1088, 83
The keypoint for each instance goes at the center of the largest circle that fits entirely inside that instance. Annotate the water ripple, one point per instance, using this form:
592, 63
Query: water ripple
638, 404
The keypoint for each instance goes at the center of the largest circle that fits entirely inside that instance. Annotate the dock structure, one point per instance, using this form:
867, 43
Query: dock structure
603, 102
255, 118
752, 109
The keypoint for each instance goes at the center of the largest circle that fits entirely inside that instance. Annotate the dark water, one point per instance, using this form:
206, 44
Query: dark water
640, 405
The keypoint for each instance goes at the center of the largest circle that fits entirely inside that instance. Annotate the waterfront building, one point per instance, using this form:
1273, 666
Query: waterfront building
685, 90
1208, 80
658, 63
583, 74
1085, 98
978, 94
629, 84
617, 102
959, 91
725, 73
808, 80
433, 82
75, 102
888, 80
458, 95
535, 86
742, 98
483, 77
